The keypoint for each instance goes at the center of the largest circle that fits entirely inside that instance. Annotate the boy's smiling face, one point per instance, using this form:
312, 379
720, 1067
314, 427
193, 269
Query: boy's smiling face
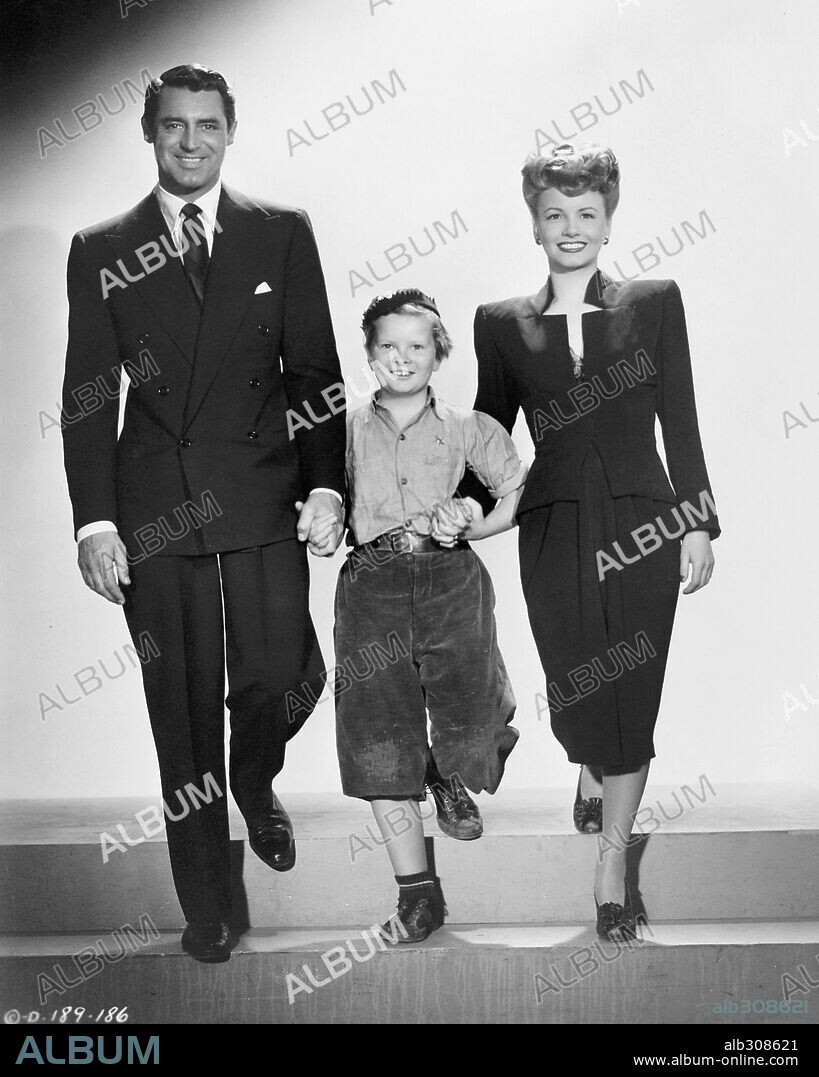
402, 353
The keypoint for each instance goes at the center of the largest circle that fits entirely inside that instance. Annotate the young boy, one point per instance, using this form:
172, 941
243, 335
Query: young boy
422, 612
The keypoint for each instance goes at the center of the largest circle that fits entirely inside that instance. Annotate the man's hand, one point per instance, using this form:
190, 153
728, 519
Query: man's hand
103, 563
459, 517
321, 523
696, 555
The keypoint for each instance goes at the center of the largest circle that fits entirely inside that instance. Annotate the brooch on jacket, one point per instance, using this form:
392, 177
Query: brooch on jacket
577, 364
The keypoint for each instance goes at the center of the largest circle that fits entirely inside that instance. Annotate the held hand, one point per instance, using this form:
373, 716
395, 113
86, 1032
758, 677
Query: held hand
323, 528
474, 529
454, 519
696, 555
320, 523
103, 563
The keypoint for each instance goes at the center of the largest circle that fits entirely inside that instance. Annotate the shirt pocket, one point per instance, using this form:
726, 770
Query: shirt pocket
372, 482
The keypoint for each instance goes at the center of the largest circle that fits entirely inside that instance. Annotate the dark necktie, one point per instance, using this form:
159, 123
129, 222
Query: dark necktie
195, 258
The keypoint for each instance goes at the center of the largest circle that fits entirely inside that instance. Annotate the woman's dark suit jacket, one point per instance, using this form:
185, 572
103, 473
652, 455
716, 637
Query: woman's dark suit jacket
636, 365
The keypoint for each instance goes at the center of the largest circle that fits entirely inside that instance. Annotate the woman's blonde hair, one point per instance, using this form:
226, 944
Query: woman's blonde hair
572, 170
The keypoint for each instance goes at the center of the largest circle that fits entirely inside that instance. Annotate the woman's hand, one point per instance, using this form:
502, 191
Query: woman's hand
458, 517
696, 555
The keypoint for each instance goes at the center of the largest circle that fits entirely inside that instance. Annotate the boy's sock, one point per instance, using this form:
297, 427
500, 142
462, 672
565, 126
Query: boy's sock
412, 887
421, 907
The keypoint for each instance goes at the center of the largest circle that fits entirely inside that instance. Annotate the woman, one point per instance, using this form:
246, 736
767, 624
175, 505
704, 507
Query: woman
604, 539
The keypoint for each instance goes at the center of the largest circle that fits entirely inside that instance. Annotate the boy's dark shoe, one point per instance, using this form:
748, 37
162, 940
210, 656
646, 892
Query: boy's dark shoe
271, 837
208, 941
417, 917
458, 814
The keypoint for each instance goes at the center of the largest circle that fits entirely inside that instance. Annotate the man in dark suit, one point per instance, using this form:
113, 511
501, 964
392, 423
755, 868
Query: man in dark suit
195, 518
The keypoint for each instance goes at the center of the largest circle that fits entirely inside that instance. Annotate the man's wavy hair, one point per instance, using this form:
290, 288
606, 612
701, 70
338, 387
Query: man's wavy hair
188, 77
572, 170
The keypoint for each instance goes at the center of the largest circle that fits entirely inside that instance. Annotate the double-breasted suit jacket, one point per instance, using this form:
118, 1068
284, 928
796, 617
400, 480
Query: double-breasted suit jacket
206, 420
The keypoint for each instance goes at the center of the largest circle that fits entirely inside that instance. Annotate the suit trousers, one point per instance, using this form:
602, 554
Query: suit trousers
251, 608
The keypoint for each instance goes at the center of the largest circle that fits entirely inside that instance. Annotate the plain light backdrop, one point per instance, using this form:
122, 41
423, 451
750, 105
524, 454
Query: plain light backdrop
700, 130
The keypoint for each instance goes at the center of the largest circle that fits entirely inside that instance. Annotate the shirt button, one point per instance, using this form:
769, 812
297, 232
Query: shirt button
403, 482
163, 390
263, 330
144, 338
254, 383
252, 434
402, 437
185, 443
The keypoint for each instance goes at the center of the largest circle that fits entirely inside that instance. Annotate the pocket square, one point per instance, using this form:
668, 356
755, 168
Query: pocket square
263, 287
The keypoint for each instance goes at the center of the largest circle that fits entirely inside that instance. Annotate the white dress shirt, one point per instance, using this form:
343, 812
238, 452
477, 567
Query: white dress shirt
171, 207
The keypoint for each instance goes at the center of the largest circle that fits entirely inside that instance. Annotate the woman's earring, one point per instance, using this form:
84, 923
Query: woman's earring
537, 240
605, 239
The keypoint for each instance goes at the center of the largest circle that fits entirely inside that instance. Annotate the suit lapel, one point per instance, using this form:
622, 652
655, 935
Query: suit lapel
165, 289
599, 293
606, 335
613, 336
532, 305
237, 260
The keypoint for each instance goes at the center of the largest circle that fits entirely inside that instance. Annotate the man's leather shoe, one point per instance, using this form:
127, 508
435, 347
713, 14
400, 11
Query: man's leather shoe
458, 814
207, 941
271, 837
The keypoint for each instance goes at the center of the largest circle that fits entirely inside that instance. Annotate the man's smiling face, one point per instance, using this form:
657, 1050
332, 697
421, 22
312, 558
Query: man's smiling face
190, 137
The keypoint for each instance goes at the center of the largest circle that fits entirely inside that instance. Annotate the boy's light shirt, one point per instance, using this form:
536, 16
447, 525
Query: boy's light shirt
395, 477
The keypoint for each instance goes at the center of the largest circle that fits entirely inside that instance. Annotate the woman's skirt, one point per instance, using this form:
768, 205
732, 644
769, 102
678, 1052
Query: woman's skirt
601, 614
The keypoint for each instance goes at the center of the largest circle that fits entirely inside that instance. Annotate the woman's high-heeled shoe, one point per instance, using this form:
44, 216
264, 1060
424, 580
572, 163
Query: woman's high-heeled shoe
614, 921
587, 814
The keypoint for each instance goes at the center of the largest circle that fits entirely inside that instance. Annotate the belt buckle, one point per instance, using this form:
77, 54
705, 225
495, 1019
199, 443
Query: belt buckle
401, 541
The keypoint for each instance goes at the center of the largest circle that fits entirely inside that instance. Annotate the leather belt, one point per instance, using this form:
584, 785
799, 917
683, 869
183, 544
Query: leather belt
399, 540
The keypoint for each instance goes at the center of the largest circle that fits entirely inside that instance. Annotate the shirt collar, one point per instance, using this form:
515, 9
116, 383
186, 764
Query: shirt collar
432, 402
593, 296
171, 205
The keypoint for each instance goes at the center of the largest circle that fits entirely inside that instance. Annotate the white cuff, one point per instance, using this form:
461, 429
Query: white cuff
95, 529
327, 490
